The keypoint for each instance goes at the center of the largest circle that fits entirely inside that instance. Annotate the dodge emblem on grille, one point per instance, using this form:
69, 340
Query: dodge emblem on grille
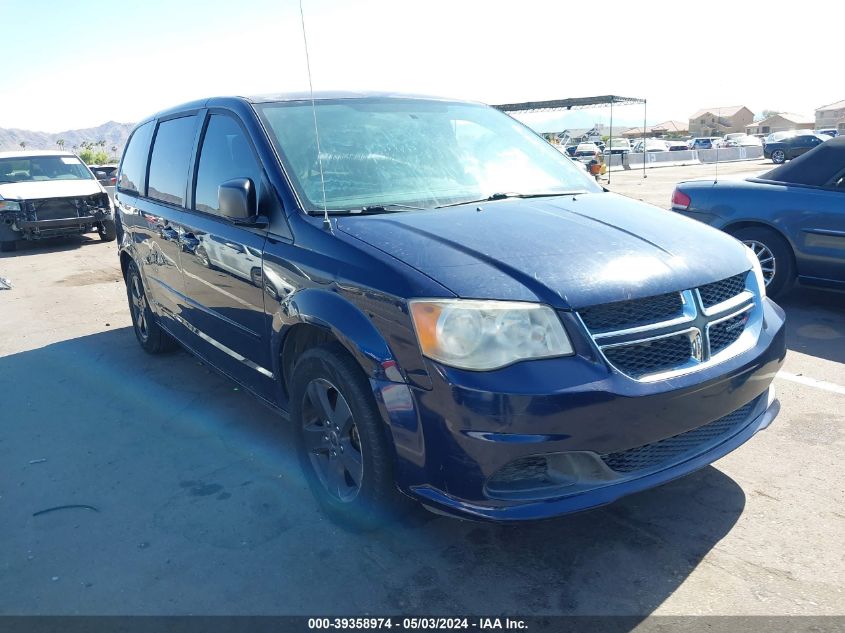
697, 346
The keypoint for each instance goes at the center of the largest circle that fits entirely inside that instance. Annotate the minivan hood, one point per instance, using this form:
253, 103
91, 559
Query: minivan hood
569, 252
38, 189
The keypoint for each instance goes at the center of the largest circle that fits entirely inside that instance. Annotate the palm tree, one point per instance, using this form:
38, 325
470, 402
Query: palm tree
61, 143
23, 144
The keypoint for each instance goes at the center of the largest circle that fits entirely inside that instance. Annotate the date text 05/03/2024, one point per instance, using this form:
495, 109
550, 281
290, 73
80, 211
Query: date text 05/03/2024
421, 623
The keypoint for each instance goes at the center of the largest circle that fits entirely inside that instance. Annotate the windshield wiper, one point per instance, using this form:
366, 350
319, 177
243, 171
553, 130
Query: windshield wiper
370, 208
504, 196
385, 208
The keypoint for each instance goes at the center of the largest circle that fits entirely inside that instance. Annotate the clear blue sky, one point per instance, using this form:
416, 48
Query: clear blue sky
78, 63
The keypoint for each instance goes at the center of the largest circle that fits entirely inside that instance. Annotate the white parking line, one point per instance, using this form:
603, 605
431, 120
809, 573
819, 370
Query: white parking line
812, 382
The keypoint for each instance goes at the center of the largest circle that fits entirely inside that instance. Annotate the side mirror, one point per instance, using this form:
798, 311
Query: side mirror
236, 199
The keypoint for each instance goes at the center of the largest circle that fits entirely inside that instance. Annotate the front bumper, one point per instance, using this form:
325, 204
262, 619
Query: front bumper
453, 439
18, 227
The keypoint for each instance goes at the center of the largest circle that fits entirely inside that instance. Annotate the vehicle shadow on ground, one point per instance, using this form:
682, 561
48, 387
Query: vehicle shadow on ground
201, 508
26, 248
814, 322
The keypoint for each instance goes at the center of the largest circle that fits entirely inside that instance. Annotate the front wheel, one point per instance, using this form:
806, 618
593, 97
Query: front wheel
778, 156
107, 231
775, 257
152, 338
342, 446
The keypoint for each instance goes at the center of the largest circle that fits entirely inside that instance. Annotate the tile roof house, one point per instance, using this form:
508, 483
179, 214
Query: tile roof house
720, 120
831, 117
780, 122
667, 128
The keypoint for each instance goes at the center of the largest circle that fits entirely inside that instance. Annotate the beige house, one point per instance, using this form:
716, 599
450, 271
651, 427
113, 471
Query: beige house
780, 122
667, 128
831, 117
720, 121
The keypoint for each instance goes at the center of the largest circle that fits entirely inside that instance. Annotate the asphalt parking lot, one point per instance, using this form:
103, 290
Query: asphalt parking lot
199, 506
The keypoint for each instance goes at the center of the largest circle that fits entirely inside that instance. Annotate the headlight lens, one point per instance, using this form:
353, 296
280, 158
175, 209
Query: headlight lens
483, 335
757, 270
10, 205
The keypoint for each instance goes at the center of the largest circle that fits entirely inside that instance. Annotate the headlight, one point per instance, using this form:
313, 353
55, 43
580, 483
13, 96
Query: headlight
757, 270
483, 335
10, 205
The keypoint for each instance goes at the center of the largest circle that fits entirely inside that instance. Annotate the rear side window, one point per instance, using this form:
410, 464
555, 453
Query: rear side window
225, 154
170, 158
135, 159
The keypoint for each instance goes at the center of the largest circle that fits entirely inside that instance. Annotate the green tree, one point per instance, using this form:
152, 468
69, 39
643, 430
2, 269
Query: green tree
91, 156
61, 143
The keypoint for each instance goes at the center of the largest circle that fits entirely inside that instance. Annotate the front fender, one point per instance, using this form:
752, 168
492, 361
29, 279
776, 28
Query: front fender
347, 323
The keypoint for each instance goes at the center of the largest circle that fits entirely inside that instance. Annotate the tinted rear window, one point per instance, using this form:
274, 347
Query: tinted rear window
135, 159
170, 158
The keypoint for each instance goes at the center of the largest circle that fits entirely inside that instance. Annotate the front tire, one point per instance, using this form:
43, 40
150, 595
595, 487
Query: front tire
778, 156
341, 441
151, 337
107, 231
775, 257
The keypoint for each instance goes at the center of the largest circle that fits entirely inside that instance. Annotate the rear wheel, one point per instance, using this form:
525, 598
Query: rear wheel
152, 338
775, 257
342, 446
778, 156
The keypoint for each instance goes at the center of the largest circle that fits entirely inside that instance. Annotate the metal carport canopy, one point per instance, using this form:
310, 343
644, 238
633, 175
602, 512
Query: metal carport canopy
577, 103
568, 104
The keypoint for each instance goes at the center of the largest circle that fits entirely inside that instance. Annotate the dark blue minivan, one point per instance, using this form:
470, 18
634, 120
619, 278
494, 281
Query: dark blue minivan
445, 306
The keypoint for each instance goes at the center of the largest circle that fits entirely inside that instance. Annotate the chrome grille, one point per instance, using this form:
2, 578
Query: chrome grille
640, 359
613, 316
672, 333
672, 448
724, 333
717, 292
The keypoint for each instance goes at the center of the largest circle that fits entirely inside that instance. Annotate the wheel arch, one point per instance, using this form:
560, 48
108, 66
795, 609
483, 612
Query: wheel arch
316, 317
125, 258
737, 225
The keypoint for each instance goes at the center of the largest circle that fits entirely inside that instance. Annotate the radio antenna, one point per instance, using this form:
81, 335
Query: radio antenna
326, 224
718, 122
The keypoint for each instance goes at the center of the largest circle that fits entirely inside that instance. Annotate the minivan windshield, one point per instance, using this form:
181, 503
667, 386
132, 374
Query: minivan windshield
35, 168
419, 153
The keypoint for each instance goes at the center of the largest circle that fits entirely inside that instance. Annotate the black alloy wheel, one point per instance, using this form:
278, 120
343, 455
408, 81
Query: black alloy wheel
332, 440
342, 440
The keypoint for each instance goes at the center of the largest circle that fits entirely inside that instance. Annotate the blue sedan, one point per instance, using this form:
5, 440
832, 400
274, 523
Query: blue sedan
792, 217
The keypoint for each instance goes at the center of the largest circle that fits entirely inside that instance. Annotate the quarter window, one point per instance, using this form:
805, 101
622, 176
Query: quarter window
225, 154
135, 159
170, 158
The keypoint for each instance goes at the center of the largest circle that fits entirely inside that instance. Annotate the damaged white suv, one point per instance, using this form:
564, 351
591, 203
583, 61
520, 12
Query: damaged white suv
50, 194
